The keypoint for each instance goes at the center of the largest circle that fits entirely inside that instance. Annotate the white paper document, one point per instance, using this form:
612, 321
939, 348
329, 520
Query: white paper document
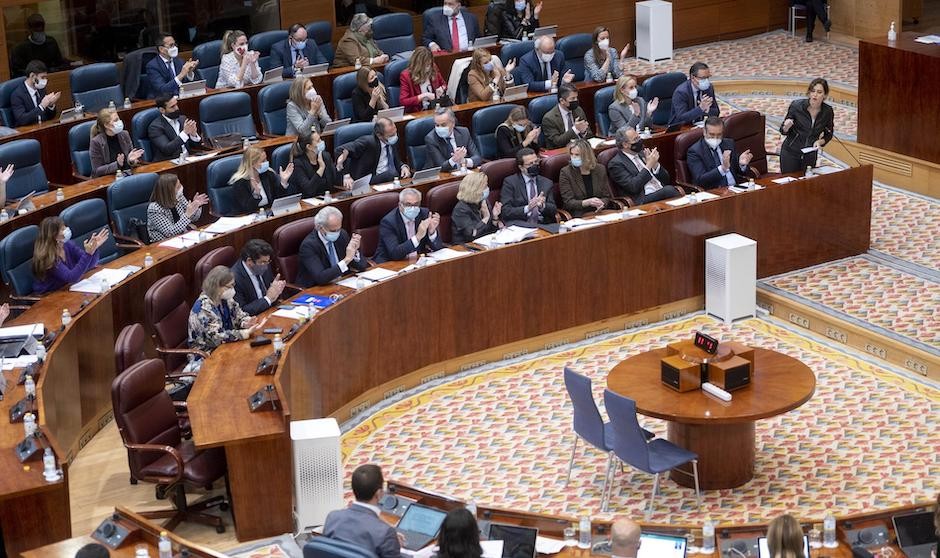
545, 545
609, 217
383, 187
186, 240
38, 330
313, 201
513, 234
705, 196
809, 149
378, 274
19, 362
826, 169
353, 282
226, 224
101, 281
784, 180
492, 549
928, 39
296, 313
577, 222
445, 254
634, 212
595, 142
194, 158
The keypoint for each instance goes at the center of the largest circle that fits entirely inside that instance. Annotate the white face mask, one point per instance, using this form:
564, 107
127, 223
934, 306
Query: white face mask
66, 235
448, 11
173, 52
41, 83
547, 57
603, 44
311, 94
228, 294
632, 93
117, 127
713, 142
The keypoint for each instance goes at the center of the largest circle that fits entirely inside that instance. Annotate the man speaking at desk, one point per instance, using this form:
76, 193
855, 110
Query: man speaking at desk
361, 523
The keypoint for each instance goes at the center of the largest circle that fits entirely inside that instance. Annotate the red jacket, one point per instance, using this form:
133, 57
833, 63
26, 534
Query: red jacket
408, 96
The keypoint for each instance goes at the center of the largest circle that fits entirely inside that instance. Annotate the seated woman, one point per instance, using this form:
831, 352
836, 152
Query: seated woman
785, 538
314, 172
170, 213
516, 133
111, 147
601, 59
583, 182
57, 262
215, 317
471, 217
628, 109
486, 76
357, 43
421, 83
520, 19
369, 96
239, 65
460, 536
305, 109
255, 184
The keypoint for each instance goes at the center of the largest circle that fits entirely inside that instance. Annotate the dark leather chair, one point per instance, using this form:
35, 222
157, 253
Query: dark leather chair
496, 172
747, 129
322, 33
130, 347
262, 42
603, 158
26, 157
79, 142
343, 86
415, 131
86, 218
539, 106
6, 107
286, 243
442, 199
209, 55
365, 215
16, 259
393, 33
573, 47
149, 427
602, 99
351, 132
221, 197
684, 141
167, 312
393, 72
224, 255
96, 85
483, 126
325, 547
662, 86
551, 169
128, 199
280, 158
272, 102
227, 113
139, 124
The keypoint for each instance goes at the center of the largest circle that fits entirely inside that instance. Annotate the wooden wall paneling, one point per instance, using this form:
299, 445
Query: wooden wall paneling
35, 519
696, 24
96, 358
306, 11
59, 400
874, 17
740, 18
261, 473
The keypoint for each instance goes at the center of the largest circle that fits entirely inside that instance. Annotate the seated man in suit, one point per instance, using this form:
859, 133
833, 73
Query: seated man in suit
256, 289
566, 120
374, 154
636, 171
171, 133
439, 26
527, 197
361, 522
30, 103
713, 162
328, 252
448, 145
694, 99
408, 230
296, 52
542, 67
166, 72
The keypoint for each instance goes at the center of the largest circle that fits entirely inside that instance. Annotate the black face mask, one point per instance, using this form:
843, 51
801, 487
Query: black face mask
374, 83
532, 170
573, 105
172, 115
637, 146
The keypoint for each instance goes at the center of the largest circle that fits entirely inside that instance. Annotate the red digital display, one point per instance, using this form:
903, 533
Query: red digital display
706, 342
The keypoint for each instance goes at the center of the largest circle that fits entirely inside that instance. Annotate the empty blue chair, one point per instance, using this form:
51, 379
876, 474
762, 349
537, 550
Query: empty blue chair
630, 445
393, 72
6, 91
262, 42
484, 123
602, 99
209, 56
218, 189
325, 547
662, 86
343, 87
415, 130
139, 124
393, 33
86, 218
515, 50
96, 85
227, 113
128, 199
28, 175
281, 157
351, 132
16, 259
322, 33
539, 106
574, 47
272, 102
79, 140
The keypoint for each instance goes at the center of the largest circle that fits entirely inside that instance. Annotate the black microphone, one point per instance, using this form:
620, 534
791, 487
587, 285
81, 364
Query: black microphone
845, 147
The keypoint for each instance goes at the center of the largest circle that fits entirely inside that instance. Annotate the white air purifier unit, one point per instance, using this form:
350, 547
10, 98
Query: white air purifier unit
318, 471
731, 277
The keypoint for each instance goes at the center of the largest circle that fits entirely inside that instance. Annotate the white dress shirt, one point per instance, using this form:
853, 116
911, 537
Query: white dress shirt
32, 93
654, 184
383, 163
179, 131
461, 30
256, 283
411, 227
339, 259
453, 147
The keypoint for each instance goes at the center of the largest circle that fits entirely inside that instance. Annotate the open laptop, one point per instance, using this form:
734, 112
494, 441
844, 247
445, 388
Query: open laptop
483, 42
426, 174
420, 525
764, 552
915, 533
14, 340
655, 545
274, 75
334, 125
192, 88
518, 542
394, 113
547, 31
280, 206
70, 114
25, 203
315, 70
516, 92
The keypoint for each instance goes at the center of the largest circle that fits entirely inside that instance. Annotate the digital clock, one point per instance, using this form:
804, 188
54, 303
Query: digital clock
706, 342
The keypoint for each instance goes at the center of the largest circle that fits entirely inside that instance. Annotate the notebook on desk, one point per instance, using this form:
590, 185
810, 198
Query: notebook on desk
280, 206
394, 113
483, 42
334, 125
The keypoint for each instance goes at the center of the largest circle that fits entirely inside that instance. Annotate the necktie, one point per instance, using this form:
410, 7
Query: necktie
390, 157
454, 34
570, 122
410, 228
534, 215
169, 66
297, 56
546, 72
331, 250
38, 99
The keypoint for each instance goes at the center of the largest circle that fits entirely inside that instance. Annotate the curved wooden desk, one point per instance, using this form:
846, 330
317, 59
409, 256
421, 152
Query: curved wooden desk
721, 433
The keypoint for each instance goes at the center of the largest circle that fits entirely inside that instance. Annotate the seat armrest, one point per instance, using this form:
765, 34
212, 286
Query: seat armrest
562, 215
162, 449
127, 242
202, 354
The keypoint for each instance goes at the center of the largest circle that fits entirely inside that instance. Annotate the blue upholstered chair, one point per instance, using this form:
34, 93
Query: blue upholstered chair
393, 72
573, 47
218, 189
343, 86
272, 102
79, 141
325, 547
128, 198
662, 86
281, 156
226, 113
96, 85
28, 175
209, 55
539, 106
351, 132
602, 99
393, 33
262, 42
16, 259
483, 125
587, 422
415, 130
322, 33
86, 218
139, 124
515, 50
6, 108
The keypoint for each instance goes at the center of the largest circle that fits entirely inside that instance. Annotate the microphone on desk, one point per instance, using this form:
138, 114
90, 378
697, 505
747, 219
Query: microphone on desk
844, 147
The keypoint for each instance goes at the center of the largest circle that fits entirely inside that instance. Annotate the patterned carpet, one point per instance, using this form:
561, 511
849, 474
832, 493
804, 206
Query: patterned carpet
867, 439
906, 226
775, 109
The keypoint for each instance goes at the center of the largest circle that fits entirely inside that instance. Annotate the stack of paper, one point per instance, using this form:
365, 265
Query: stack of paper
21, 331
577, 222
594, 142
684, 200
609, 217
227, 224
514, 233
445, 254
295, 313
186, 240
313, 201
545, 545
194, 158
383, 187
929, 39
101, 281
784, 180
378, 274
18, 362
826, 169
354, 282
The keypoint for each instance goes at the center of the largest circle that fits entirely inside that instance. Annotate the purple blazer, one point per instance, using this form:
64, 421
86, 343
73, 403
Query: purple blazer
65, 272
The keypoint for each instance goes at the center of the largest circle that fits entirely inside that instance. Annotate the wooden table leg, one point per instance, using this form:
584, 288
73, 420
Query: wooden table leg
726, 453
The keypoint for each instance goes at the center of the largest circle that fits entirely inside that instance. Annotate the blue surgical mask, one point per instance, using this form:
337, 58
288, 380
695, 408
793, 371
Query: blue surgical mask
411, 212
392, 140
118, 127
576, 161
321, 147
265, 167
66, 234
704, 84
300, 45
518, 127
488, 67
442, 131
486, 195
520, 6
331, 236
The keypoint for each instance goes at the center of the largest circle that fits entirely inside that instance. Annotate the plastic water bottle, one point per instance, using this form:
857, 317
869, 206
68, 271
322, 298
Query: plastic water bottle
829, 531
78, 106
48, 462
327, 197
358, 63
808, 173
29, 424
610, 77
40, 351
111, 104
66, 317
30, 386
584, 532
708, 536
127, 102
311, 310
59, 194
164, 546
4, 216
261, 214
148, 260
892, 33
496, 97
278, 342
397, 182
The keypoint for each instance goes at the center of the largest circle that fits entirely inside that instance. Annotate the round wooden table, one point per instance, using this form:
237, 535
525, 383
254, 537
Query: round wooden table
721, 433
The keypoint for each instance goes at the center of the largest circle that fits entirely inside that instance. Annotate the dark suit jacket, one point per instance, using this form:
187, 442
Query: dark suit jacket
703, 167
467, 223
529, 70
574, 191
437, 28
307, 181
247, 203
394, 243
804, 131
684, 108
283, 55
313, 262
165, 143
364, 157
361, 526
25, 110
245, 294
515, 198
439, 150
631, 180
160, 79
553, 128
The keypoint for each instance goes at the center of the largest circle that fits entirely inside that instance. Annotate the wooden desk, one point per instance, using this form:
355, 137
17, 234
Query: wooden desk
897, 102
720, 433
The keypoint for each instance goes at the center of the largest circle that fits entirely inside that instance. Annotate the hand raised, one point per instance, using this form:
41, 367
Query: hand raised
7, 173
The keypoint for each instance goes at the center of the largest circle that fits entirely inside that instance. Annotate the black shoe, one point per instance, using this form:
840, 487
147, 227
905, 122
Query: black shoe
809, 38
827, 26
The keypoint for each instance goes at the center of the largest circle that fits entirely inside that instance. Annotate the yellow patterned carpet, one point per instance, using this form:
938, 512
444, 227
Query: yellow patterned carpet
869, 438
